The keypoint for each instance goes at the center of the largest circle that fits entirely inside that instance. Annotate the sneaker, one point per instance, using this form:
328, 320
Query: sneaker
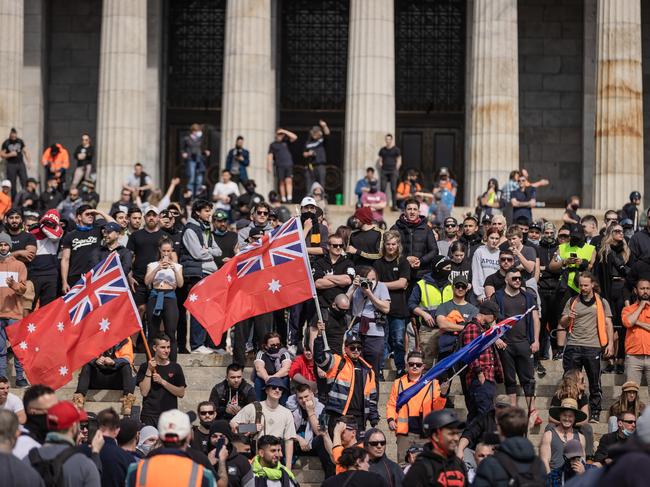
221, 351
594, 418
559, 355
22, 383
619, 369
541, 370
609, 369
203, 349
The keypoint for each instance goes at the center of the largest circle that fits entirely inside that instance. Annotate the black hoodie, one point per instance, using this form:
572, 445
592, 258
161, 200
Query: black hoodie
446, 471
418, 241
490, 473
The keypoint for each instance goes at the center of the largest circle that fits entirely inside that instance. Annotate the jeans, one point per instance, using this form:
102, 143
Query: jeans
168, 317
481, 398
16, 170
577, 357
94, 377
195, 171
4, 350
394, 340
390, 177
373, 352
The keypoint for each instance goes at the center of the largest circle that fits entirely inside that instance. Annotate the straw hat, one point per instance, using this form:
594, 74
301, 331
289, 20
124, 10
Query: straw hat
567, 404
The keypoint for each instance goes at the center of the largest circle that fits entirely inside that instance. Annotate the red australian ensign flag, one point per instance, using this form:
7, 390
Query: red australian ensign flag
267, 275
59, 338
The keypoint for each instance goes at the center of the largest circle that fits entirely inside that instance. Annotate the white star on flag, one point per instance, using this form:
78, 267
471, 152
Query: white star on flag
274, 286
104, 324
228, 277
63, 370
31, 328
23, 345
60, 326
193, 297
37, 349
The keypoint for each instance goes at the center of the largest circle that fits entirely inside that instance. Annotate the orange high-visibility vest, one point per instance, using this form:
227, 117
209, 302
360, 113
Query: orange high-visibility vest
168, 471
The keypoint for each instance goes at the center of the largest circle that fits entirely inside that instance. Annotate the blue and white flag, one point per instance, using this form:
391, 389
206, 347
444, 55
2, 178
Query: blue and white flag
465, 355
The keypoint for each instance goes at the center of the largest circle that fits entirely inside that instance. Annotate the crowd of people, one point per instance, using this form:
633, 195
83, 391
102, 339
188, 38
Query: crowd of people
394, 295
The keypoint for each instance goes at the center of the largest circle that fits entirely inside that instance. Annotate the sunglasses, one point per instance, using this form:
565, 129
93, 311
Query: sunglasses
563, 235
629, 421
516, 278
377, 443
337, 246
83, 426
206, 413
450, 225
460, 286
506, 259
617, 231
262, 213
416, 365
355, 348
275, 388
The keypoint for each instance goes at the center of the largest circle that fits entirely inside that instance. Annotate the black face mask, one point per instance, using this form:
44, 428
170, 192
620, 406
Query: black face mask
547, 241
575, 207
250, 189
274, 349
206, 424
37, 426
337, 313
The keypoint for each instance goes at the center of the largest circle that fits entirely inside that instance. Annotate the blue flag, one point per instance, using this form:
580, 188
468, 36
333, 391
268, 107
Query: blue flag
465, 355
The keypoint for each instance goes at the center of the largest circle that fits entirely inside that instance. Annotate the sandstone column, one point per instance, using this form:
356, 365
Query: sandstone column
618, 168
370, 98
492, 134
248, 103
11, 59
121, 95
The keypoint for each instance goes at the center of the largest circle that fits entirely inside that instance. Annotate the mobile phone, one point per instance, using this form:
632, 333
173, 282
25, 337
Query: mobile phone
219, 445
247, 428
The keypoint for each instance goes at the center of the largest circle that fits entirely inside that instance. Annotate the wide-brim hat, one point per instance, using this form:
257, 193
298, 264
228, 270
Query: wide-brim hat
567, 404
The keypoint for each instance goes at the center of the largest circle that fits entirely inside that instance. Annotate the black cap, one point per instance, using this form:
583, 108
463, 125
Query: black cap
635, 195
535, 226
460, 279
440, 262
351, 337
443, 418
489, 307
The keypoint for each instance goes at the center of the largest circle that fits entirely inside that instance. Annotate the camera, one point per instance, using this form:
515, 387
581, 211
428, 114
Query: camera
365, 283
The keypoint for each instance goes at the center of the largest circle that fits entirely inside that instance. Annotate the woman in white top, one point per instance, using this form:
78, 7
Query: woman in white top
485, 262
164, 276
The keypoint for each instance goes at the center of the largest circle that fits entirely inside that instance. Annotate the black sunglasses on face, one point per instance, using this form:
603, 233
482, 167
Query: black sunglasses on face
377, 443
506, 259
275, 388
262, 213
516, 278
206, 413
416, 365
450, 225
629, 421
337, 246
355, 348
460, 286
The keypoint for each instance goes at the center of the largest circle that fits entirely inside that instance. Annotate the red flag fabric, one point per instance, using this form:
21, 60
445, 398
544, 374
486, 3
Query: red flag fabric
267, 275
97, 313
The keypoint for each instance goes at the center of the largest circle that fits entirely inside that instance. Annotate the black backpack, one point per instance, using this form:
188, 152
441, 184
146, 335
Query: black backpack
51, 471
528, 478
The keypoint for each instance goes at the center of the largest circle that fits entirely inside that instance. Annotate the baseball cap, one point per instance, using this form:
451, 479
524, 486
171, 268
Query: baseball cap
6, 183
502, 400
535, 226
351, 337
32, 180
573, 449
486, 219
63, 415
151, 208
112, 227
489, 307
460, 279
220, 215
174, 423
308, 200
277, 382
450, 220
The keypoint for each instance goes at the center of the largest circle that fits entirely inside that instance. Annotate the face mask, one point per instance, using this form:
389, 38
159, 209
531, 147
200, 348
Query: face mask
273, 349
37, 425
575, 206
4, 255
534, 242
627, 432
547, 240
145, 449
199, 134
248, 454
337, 313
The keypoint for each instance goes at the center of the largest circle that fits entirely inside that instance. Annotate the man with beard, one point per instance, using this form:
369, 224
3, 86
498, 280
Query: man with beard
495, 282
206, 412
135, 220
27, 197
572, 258
588, 321
237, 465
418, 241
224, 238
451, 235
23, 244
636, 319
111, 243
36, 401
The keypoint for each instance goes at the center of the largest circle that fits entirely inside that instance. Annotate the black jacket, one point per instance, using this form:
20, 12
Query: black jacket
471, 243
417, 240
630, 466
607, 441
482, 424
389, 470
446, 471
222, 393
490, 473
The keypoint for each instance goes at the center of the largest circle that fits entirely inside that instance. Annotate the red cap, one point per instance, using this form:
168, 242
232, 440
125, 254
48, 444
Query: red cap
63, 415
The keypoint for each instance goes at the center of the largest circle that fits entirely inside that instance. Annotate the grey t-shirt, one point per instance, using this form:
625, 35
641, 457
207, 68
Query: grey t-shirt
361, 306
585, 326
468, 310
530, 254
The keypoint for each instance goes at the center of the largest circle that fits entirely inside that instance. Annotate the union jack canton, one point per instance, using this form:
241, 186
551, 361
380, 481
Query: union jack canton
103, 283
283, 244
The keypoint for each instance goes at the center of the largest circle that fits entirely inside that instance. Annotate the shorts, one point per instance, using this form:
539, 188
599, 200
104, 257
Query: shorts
141, 294
284, 172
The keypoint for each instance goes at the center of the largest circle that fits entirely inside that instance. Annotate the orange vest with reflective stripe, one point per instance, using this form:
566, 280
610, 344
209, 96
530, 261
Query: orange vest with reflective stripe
342, 385
425, 401
601, 322
168, 471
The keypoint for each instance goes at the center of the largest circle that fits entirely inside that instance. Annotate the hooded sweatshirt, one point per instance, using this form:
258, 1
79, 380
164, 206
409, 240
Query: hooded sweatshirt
521, 451
446, 471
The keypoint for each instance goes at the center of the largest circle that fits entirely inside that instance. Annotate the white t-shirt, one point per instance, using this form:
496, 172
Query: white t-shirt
13, 403
225, 189
277, 422
166, 276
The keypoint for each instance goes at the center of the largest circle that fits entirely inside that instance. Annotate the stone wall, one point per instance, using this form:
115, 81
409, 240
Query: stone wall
550, 94
73, 71
645, 52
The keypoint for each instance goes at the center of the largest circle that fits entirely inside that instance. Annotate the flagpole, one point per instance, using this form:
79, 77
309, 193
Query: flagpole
146, 345
308, 265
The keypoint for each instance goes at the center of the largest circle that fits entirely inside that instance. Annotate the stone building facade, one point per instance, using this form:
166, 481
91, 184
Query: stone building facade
479, 86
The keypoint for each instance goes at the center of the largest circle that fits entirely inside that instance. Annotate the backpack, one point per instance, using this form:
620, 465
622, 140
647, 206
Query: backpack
51, 471
527, 478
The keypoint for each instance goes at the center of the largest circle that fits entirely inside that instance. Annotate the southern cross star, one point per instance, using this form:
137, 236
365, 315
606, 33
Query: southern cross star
23, 345
193, 297
31, 328
274, 286
63, 370
60, 326
104, 324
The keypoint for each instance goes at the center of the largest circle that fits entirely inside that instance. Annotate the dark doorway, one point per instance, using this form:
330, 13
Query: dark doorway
313, 40
194, 43
430, 86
